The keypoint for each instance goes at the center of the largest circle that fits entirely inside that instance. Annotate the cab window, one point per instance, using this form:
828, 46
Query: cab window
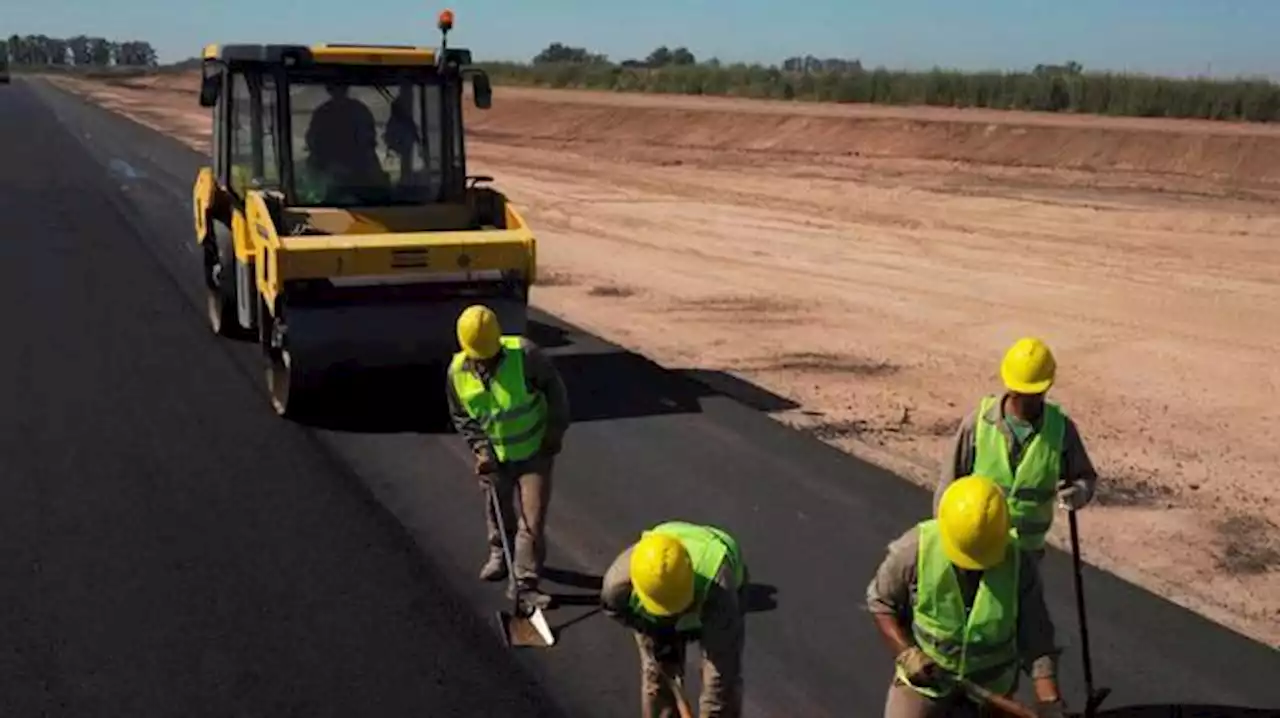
253, 132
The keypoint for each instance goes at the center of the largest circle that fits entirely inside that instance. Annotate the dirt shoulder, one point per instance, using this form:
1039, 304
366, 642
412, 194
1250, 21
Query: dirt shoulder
872, 264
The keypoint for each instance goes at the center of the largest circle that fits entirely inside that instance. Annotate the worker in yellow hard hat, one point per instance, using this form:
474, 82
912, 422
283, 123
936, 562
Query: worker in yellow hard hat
956, 598
1029, 446
510, 405
682, 582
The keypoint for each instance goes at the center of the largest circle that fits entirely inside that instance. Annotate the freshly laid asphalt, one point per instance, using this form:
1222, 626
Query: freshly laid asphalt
169, 547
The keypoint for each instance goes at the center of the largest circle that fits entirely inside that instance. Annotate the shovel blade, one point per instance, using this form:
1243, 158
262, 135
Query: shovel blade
530, 631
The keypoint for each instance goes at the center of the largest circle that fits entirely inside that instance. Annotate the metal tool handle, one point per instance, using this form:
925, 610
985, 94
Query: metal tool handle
1093, 696
506, 544
675, 685
1003, 705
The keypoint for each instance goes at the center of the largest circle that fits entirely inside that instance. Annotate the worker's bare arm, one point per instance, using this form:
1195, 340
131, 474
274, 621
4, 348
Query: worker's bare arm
722, 638
1077, 467
889, 593
615, 590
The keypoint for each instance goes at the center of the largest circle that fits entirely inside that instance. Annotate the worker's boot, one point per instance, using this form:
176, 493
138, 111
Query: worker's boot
495, 569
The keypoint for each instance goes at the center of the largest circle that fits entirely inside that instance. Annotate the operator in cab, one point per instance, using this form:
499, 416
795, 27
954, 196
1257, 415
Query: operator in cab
342, 147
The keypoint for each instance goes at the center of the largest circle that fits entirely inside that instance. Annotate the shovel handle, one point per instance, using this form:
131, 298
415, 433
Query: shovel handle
674, 685
1004, 706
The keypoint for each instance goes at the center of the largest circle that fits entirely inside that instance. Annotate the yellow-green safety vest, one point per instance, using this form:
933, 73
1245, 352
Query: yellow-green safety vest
980, 644
1031, 490
514, 419
708, 547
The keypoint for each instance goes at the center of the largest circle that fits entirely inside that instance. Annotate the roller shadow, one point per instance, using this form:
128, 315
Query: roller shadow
1188, 710
604, 382
607, 382
381, 401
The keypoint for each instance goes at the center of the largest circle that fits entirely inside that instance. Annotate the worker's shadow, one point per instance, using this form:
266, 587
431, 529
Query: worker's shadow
759, 597
756, 597
573, 579
1187, 710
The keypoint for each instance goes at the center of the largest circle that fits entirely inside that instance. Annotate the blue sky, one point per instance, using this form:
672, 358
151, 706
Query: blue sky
1180, 37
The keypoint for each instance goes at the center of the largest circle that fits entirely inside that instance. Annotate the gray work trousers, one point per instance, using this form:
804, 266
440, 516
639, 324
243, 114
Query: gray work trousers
524, 492
721, 695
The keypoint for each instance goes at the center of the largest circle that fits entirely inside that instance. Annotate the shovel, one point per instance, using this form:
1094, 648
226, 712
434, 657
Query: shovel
1003, 706
677, 691
521, 627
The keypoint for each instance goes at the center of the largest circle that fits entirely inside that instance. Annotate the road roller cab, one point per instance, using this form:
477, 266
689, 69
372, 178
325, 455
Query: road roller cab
337, 222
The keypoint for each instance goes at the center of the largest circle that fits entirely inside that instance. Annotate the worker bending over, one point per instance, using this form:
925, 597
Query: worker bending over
1027, 444
510, 404
682, 582
955, 597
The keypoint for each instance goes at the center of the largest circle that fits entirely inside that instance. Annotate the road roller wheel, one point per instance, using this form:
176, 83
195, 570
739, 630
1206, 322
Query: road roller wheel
287, 385
220, 294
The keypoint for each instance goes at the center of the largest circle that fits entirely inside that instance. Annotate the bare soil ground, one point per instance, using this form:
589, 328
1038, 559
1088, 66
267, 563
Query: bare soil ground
872, 264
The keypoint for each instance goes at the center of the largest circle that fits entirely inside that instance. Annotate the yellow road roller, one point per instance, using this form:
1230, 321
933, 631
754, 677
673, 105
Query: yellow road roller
337, 222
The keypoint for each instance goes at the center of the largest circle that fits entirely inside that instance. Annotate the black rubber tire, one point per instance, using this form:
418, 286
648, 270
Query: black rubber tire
220, 287
290, 388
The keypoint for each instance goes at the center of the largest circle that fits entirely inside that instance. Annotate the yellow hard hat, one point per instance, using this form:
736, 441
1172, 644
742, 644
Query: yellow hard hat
1028, 367
478, 332
974, 521
661, 574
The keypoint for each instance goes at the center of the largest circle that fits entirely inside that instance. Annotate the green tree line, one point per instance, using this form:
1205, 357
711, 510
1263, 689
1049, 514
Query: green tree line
1050, 87
79, 51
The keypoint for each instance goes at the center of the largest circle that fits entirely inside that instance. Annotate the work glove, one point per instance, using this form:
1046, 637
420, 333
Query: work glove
1074, 495
1054, 709
485, 464
919, 668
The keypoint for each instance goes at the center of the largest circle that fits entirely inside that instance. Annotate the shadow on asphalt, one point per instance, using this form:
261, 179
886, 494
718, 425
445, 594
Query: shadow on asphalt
602, 385
1188, 710
388, 401
573, 579
759, 597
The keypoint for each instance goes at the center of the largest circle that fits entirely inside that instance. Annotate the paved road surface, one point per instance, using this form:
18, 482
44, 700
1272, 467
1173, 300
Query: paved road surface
171, 548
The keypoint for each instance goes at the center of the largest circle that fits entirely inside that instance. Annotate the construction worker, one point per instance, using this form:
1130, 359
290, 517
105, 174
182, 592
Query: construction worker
1021, 429
342, 146
682, 582
510, 404
955, 597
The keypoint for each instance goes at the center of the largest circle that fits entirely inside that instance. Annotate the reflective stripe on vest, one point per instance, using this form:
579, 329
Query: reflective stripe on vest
979, 644
514, 419
1032, 489
708, 547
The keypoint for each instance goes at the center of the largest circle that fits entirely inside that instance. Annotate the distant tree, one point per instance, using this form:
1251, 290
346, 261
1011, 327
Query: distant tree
682, 56
811, 64
660, 57
80, 55
99, 52
1071, 68
559, 53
